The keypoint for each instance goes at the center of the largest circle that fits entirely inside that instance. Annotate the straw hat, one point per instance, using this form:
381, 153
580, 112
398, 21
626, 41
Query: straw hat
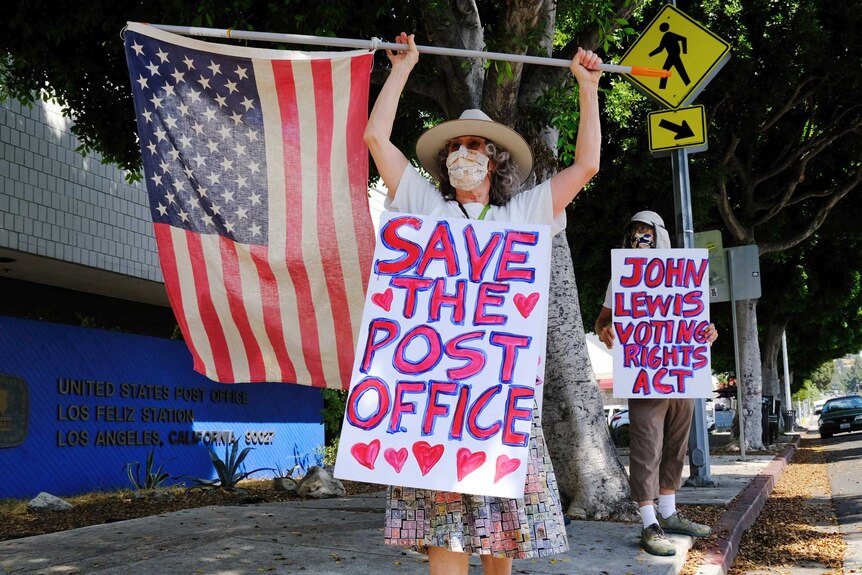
473, 123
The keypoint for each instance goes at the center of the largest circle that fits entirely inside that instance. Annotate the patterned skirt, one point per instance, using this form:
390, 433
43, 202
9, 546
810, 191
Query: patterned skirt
531, 526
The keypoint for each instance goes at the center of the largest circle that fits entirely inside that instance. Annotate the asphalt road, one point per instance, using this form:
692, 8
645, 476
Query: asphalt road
844, 467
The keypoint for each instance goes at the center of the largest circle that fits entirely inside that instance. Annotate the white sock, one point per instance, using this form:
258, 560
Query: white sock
648, 515
667, 505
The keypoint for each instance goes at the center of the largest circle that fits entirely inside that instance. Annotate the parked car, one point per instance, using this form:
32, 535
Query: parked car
710, 417
612, 410
840, 415
818, 406
620, 426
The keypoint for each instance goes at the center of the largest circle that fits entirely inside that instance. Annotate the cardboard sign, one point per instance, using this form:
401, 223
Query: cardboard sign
660, 317
446, 362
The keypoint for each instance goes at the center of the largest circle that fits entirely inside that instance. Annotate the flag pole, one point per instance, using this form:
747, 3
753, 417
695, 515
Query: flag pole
376, 44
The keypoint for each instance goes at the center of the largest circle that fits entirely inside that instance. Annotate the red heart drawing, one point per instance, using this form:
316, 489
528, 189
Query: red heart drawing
396, 457
505, 466
426, 455
526, 303
366, 454
468, 462
384, 299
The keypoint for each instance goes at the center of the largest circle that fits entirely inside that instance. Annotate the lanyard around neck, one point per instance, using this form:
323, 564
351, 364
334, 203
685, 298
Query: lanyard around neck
481, 215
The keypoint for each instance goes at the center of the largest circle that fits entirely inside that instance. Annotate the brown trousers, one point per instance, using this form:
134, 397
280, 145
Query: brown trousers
658, 440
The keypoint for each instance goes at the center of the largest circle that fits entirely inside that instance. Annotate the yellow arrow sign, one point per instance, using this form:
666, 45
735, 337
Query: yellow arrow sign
674, 129
675, 42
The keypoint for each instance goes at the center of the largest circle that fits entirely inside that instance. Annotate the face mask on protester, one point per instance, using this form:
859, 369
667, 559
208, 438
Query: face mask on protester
641, 236
467, 168
641, 240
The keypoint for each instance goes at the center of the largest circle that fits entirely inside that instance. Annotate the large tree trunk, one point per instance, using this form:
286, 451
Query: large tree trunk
591, 479
749, 373
771, 355
457, 25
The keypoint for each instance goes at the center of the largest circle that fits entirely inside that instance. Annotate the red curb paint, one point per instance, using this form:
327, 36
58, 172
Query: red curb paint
743, 513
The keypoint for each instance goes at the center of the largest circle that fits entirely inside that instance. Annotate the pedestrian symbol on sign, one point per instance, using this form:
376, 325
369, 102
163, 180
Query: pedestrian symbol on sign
691, 53
673, 44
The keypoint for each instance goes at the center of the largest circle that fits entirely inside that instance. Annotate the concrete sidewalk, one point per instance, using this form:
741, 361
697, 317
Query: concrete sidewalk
335, 536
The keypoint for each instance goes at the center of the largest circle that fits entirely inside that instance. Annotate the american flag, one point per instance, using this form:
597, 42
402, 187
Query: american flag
257, 177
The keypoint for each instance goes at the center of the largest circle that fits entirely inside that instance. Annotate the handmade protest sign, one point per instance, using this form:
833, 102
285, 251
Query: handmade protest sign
452, 335
660, 318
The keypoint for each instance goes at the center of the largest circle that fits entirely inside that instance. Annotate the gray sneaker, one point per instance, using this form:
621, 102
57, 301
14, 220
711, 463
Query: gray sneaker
655, 542
676, 523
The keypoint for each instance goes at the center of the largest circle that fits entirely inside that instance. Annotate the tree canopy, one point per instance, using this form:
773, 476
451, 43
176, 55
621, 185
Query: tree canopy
783, 170
439, 88
75, 53
785, 122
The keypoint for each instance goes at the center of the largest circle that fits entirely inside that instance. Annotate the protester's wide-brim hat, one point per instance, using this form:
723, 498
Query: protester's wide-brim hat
473, 123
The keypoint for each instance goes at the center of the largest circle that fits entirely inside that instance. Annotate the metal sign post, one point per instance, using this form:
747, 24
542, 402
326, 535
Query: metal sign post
787, 416
694, 55
698, 438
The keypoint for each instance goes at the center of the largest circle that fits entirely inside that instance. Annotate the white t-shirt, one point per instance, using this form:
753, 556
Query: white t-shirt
609, 297
416, 195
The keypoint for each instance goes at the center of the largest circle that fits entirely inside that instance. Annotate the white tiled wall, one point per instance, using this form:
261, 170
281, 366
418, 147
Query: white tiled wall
57, 203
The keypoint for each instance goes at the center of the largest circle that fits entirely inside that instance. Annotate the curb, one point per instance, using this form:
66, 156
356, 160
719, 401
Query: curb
743, 513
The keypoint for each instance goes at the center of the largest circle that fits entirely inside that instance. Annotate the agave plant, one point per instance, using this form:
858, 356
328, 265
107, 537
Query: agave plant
151, 479
228, 470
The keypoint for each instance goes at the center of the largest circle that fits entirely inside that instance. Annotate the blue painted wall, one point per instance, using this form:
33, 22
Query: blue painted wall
87, 387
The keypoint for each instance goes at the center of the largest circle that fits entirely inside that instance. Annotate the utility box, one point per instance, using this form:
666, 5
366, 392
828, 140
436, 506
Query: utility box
744, 272
741, 265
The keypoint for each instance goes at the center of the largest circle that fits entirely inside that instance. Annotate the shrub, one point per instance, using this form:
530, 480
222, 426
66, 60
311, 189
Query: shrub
228, 470
151, 479
334, 403
328, 453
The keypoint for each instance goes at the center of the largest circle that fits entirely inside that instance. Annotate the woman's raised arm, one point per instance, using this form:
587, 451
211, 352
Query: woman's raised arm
390, 161
566, 184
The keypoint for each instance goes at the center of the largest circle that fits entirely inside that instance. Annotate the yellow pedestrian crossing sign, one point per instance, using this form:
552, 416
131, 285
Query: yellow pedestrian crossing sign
674, 129
675, 42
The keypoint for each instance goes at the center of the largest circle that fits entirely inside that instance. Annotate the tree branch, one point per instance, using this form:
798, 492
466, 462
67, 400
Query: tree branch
787, 199
789, 104
743, 171
739, 232
456, 25
420, 84
538, 79
818, 218
500, 94
774, 207
814, 145
725, 209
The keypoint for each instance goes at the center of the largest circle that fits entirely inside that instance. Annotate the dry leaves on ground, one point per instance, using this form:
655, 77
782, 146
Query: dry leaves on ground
797, 525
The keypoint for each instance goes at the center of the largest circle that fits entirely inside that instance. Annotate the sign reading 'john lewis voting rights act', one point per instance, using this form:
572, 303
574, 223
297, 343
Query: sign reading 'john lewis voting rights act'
450, 346
660, 319
674, 41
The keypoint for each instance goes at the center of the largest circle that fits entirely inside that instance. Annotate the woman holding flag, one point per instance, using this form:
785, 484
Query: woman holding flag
480, 165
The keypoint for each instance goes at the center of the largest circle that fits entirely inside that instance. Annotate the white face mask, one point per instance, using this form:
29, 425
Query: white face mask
467, 169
